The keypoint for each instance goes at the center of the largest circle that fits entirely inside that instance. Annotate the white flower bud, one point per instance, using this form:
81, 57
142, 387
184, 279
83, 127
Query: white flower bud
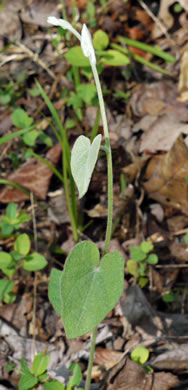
64, 24
87, 45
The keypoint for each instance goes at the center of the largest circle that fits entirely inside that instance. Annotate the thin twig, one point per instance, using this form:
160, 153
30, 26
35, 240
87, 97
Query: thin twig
157, 21
35, 58
35, 277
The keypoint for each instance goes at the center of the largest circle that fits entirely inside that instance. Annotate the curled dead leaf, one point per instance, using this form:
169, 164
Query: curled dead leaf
165, 177
33, 176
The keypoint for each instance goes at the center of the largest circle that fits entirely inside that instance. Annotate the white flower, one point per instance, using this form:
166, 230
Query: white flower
87, 45
64, 24
84, 38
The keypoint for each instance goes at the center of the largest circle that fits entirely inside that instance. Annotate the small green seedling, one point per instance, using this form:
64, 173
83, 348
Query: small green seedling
38, 375
169, 297
84, 94
12, 220
7, 94
21, 256
23, 121
90, 13
6, 294
140, 355
140, 259
89, 287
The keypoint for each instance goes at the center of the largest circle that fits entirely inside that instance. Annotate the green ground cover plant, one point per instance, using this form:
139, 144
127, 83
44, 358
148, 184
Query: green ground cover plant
20, 256
140, 355
141, 257
38, 375
12, 220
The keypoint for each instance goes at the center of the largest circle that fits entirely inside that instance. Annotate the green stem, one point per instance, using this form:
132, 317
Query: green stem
110, 199
91, 358
14, 185
101, 101
68, 200
49, 165
110, 204
109, 160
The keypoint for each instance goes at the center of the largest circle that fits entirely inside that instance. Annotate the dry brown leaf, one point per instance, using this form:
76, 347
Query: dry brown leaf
107, 357
134, 377
174, 359
162, 134
33, 176
37, 12
163, 116
179, 251
165, 177
57, 210
183, 78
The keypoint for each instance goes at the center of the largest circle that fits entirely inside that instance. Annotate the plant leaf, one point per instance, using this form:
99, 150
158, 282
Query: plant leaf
21, 119
140, 355
76, 377
6, 287
87, 92
100, 40
114, 58
34, 262
5, 259
76, 57
152, 259
27, 380
83, 159
53, 385
54, 290
22, 244
40, 363
90, 288
11, 211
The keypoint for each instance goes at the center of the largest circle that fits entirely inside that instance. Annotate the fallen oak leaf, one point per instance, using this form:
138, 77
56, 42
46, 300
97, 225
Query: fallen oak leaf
165, 177
33, 175
131, 376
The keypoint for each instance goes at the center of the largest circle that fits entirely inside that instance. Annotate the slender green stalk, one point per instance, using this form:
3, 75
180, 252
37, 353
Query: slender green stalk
140, 59
109, 160
68, 200
150, 49
62, 137
49, 165
8, 137
15, 185
91, 358
110, 204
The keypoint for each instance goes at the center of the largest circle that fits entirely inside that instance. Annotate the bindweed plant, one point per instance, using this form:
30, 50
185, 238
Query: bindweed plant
89, 287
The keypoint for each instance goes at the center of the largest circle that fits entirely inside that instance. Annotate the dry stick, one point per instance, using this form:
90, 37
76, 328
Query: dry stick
157, 21
35, 277
36, 59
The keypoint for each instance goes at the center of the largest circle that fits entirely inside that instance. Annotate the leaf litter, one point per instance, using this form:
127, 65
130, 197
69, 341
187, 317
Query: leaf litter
149, 136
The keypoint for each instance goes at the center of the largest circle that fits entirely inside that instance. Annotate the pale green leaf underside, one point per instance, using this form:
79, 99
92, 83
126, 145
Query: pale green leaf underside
88, 289
83, 159
54, 290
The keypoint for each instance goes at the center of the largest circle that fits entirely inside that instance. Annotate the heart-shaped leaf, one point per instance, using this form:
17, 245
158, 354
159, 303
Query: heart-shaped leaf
88, 289
83, 159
